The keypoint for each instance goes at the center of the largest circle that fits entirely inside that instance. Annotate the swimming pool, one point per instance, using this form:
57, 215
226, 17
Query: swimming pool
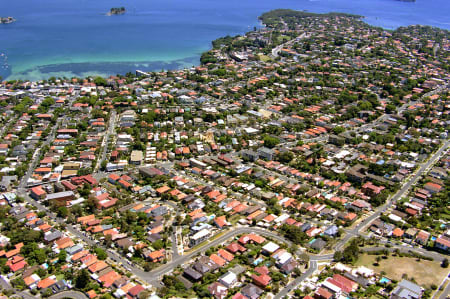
258, 261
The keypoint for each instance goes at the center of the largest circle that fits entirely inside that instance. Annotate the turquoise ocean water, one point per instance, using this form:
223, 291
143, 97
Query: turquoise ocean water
75, 37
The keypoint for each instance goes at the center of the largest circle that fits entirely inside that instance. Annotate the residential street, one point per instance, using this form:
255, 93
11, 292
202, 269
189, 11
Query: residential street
153, 277
281, 160
403, 191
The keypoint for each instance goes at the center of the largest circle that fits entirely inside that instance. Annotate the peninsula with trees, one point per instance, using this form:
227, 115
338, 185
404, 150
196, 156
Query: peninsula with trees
305, 159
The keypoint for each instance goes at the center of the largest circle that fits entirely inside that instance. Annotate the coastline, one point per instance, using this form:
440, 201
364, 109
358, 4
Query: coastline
103, 69
39, 65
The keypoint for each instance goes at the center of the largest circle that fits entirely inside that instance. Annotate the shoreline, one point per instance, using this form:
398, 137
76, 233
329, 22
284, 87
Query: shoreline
173, 61
99, 68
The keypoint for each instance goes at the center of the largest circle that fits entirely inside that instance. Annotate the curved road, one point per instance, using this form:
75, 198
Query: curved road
297, 281
368, 220
153, 277
69, 294
314, 259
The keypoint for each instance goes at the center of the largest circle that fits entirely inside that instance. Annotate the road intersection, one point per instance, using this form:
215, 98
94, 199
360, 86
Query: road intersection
153, 277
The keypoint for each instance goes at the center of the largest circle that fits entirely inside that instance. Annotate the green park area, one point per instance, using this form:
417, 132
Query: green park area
424, 272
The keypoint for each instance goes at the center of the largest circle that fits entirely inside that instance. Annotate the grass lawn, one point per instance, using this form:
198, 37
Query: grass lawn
283, 38
234, 219
424, 272
264, 58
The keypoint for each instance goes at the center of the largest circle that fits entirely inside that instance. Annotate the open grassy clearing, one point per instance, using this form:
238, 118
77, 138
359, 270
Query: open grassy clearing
424, 272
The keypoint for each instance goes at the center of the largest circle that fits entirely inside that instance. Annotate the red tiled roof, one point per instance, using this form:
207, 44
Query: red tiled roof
235, 247
38, 191
262, 280
397, 232
322, 293
109, 278
221, 221
239, 296
217, 259
226, 255
45, 283
98, 266
251, 237
17, 266
134, 291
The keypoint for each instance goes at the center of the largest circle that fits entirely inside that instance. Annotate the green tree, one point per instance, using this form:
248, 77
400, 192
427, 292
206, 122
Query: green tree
101, 254
82, 279
351, 252
99, 81
40, 256
338, 130
62, 256
158, 244
445, 263
389, 109
270, 141
285, 157
337, 256
293, 233
18, 283
63, 212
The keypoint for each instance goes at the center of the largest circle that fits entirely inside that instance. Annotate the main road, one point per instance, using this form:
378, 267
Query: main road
112, 124
356, 231
153, 277
424, 167
278, 48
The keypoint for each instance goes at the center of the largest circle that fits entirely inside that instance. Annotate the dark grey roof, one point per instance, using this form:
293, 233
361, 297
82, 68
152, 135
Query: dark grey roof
289, 267
49, 237
266, 150
318, 244
193, 274
408, 290
251, 291
161, 210
154, 237
358, 279
201, 268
